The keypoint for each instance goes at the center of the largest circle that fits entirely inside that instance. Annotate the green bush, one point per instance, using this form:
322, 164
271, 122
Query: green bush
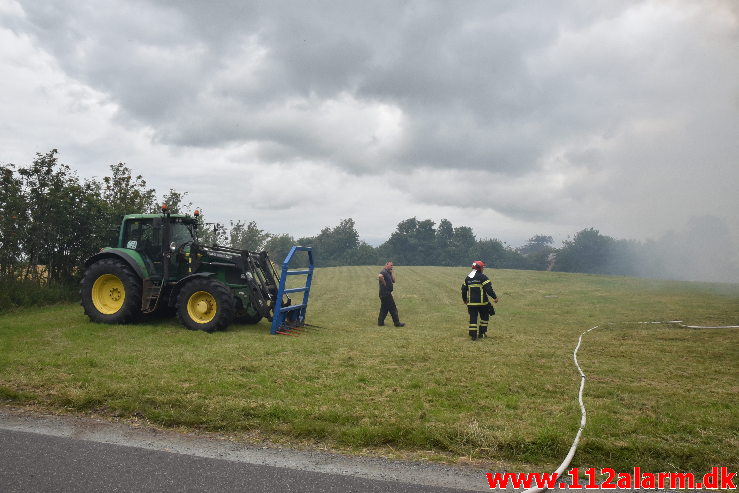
14, 294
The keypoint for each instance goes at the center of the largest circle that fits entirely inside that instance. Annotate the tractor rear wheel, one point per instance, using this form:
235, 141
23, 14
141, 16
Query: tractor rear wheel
111, 292
205, 304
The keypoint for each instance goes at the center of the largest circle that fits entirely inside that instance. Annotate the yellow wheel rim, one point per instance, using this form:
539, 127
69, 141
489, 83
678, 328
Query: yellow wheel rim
202, 307
108, 294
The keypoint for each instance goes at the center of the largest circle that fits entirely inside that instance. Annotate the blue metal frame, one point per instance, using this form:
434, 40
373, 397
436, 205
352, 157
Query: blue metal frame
294, 314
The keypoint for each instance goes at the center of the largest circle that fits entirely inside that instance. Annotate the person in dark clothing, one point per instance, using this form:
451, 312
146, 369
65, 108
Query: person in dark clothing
387, 303
477, 291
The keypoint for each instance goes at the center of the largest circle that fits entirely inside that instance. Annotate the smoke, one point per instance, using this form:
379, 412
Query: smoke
704, 251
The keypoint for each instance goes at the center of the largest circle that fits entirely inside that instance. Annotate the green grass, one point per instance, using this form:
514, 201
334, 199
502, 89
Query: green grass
658, 396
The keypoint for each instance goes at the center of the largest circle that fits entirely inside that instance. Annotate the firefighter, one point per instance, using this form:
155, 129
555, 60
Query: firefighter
477, 290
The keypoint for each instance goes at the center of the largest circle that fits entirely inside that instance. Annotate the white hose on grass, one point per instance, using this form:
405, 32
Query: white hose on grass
681, 324
566, 462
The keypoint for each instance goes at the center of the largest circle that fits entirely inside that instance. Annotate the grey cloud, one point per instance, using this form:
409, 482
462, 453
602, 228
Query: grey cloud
507, 88
457, 71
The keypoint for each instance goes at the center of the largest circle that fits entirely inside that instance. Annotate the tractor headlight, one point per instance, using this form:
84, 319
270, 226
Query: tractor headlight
173, 246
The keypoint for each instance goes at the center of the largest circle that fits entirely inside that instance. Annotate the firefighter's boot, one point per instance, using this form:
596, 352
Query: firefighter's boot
483, 332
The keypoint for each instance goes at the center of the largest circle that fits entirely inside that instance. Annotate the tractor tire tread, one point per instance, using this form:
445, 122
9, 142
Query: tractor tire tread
224, 300
131, 310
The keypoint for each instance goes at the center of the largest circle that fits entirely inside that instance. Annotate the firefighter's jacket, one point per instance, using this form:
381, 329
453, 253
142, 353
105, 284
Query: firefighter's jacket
477, 289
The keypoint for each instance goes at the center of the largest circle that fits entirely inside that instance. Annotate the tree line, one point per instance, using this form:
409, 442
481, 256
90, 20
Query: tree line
51, 221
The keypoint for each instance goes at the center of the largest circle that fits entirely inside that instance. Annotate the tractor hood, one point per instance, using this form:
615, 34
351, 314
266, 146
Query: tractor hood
219, 253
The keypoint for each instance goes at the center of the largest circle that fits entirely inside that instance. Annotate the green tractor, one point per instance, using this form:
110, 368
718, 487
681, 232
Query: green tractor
157, 262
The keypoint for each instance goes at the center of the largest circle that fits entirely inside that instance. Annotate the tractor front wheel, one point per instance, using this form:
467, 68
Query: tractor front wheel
111, 292
205, 304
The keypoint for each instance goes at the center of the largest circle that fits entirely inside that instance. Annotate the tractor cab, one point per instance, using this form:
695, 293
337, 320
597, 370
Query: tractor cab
159, 239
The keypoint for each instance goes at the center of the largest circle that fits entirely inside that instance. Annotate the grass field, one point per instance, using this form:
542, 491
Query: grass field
658, 396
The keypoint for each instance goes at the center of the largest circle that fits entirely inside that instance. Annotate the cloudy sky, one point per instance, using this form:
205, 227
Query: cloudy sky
515, 118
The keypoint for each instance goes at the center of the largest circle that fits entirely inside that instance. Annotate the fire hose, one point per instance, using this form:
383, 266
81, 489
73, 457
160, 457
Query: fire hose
566, 462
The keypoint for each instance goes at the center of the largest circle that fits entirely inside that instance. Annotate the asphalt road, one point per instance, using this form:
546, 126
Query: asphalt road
64, 454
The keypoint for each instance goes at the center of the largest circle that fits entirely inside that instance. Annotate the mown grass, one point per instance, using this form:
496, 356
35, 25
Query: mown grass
658, 396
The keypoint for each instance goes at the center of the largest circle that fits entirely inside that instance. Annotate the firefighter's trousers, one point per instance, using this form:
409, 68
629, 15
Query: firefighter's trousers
481, 312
